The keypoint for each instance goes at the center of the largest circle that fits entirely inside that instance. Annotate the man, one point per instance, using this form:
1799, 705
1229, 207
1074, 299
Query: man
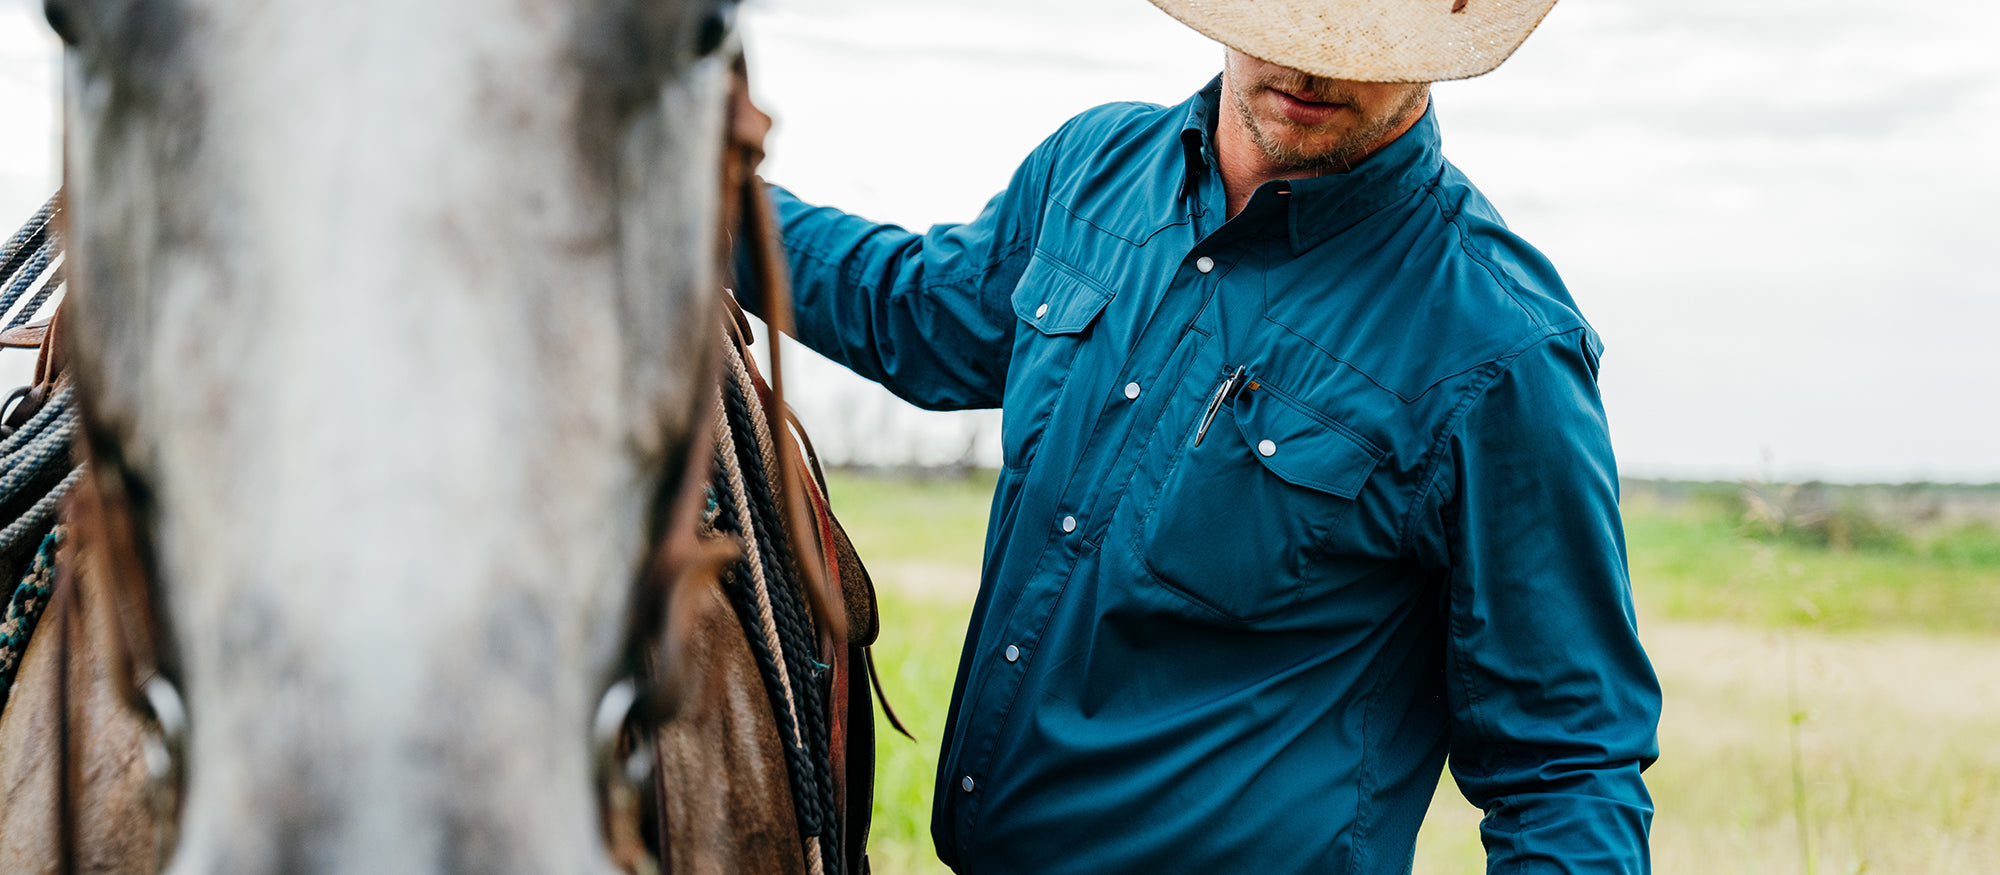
1306, 482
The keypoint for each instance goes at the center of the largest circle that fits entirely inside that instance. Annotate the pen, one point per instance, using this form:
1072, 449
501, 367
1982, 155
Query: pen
1222, 393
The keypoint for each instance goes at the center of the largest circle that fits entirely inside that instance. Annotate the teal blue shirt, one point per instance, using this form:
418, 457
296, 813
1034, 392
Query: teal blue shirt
1250, 647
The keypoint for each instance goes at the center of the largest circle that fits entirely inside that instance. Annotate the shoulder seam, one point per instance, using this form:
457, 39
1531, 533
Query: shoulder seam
1434, 455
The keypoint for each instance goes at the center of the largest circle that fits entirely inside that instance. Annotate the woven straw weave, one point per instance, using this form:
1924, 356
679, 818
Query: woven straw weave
1369, 40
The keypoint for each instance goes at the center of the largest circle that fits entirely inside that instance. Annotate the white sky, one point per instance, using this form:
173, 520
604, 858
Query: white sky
1778, 214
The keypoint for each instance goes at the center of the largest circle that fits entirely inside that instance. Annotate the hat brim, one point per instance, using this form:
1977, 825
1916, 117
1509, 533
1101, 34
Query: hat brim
1369, 40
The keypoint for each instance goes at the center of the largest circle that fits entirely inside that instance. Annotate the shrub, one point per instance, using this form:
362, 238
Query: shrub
1813, 515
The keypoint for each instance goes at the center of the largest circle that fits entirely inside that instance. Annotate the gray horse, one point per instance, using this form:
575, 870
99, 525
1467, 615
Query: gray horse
392, 323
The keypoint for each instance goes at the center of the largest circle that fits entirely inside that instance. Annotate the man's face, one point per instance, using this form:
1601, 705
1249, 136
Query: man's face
1304, 122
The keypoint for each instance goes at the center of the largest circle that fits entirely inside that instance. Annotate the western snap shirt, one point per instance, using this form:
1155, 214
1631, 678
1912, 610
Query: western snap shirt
1292, 506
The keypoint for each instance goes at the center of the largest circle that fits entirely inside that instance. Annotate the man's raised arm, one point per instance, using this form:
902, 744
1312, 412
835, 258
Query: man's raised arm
926, 315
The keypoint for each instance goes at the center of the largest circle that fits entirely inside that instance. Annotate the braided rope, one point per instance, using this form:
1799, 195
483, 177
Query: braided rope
24, 610
782, 636
739, 497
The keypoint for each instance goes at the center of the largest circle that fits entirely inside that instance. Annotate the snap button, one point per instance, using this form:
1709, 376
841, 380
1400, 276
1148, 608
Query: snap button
1131, 391
1069, 522
1013, 653
1041, 311
966, 783
1266, 447
1204, 264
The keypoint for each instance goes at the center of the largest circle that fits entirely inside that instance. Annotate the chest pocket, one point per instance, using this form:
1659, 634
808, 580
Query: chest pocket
1240, 521
1056, 306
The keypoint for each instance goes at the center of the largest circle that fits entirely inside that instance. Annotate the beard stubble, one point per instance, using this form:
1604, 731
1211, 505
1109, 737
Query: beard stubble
1339, 156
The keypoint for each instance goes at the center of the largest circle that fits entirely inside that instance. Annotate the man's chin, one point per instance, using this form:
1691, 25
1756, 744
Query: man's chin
1295, 149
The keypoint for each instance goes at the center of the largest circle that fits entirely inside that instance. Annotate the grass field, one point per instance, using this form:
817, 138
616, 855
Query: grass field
1832, 656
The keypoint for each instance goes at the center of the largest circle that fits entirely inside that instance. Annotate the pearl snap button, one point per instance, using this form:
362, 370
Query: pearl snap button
1069, 524
1131, 391
1204, 264
1041, 311
966, 782
1266, 447
1013, 653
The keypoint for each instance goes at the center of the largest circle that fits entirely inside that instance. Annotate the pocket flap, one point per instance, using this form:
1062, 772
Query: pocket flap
1056, 299
1302, 448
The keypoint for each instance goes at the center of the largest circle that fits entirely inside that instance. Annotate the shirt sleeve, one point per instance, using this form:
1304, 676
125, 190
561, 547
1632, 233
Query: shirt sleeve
1554, 704
925, 315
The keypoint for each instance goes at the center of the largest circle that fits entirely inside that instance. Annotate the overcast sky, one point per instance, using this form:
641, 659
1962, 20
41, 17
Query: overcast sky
1778, 214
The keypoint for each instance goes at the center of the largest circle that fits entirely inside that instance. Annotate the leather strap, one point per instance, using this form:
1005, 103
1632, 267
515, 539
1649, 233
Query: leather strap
24, 336
50, 363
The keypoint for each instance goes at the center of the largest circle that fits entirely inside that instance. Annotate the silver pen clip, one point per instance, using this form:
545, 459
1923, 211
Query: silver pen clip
1222, 392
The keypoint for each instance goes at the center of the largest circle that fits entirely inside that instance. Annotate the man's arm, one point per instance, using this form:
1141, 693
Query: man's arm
927, 316
1554, 704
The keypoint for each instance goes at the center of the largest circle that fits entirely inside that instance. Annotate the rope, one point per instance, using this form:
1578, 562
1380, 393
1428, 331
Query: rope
26, 277
54, 410
24, 610
739, 495
33, 463
815, 863
39, 516
37, 468
766, 588
35, 303
29, 238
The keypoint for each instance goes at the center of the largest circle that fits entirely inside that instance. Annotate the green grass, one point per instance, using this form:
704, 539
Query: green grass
1889, 644
1699, 560
921, 541
894, 519
918, 657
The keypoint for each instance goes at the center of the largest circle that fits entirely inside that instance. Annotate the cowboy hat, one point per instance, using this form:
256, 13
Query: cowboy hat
1369, 40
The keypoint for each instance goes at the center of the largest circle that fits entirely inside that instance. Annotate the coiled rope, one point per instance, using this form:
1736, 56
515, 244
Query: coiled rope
37, 467
767, 589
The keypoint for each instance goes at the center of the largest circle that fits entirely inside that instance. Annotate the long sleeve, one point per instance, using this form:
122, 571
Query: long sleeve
926, 315
1554, 704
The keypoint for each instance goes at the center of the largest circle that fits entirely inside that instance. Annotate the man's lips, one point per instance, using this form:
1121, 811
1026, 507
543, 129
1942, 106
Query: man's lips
1302, 109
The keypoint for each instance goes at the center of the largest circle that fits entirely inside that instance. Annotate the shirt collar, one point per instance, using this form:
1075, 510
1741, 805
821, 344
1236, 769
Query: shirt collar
1323, 206
1197, 134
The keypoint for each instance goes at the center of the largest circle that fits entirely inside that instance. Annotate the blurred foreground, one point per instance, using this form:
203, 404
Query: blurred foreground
1825, 650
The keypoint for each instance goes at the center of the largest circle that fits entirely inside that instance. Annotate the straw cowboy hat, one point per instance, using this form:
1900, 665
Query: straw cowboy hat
1369, 40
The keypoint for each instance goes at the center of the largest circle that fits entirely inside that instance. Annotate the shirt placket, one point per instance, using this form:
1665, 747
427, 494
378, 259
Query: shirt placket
1123, 409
